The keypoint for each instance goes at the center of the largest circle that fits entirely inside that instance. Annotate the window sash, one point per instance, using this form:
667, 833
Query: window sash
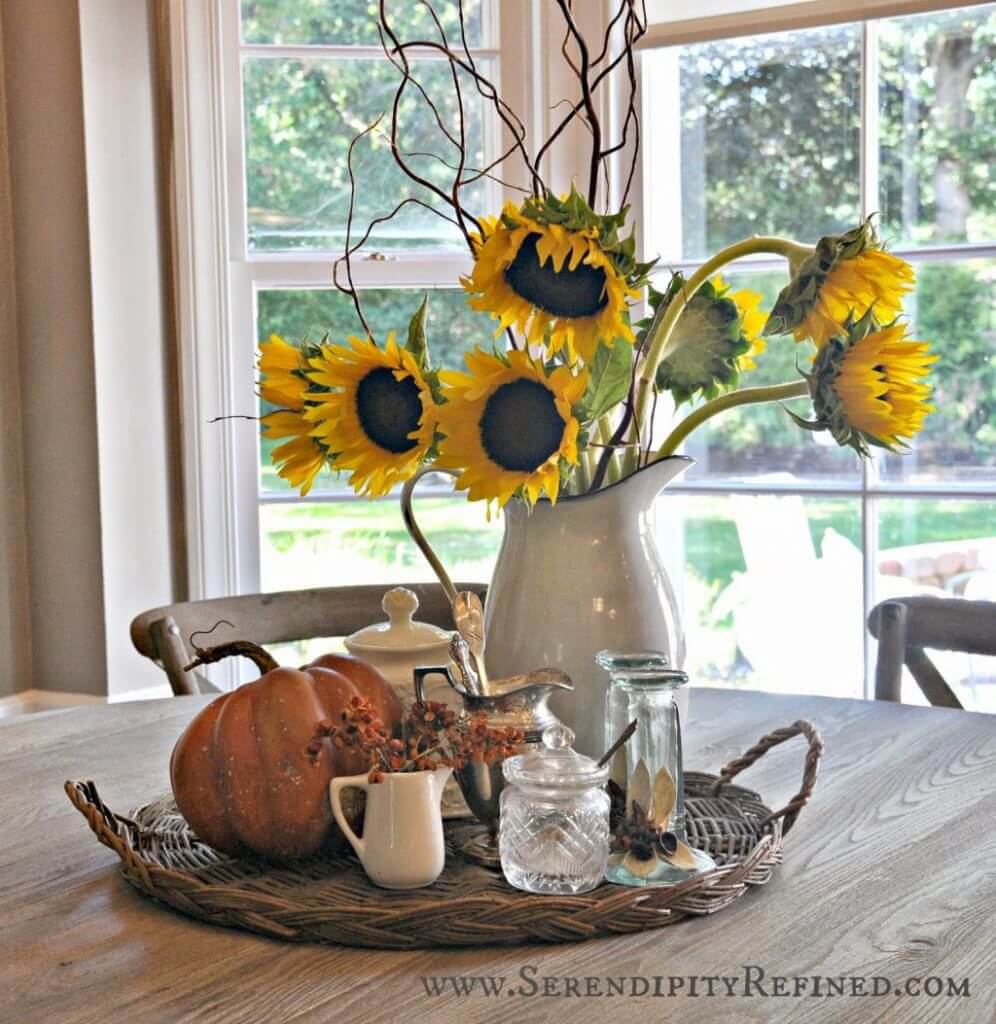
748, 18
870, 487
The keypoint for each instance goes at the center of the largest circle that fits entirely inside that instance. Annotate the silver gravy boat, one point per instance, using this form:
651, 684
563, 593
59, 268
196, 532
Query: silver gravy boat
518, 702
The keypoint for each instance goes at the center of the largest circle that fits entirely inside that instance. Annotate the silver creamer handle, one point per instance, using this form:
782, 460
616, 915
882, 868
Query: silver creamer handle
421, 674
413, 528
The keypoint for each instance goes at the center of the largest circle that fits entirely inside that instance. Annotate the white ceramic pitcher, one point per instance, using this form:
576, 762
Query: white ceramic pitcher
402, 845
582, 576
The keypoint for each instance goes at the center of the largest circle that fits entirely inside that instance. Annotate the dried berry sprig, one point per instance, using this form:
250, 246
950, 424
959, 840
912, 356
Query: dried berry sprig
432, 736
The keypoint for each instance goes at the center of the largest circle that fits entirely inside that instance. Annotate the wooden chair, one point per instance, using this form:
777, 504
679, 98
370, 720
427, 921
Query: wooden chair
163, 634
906, 626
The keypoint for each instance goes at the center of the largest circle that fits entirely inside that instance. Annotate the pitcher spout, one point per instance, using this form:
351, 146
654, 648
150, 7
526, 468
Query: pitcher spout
646, 483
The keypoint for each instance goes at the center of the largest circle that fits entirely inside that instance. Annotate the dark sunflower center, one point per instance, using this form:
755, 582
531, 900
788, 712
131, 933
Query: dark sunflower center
520, 427
575, 293
389, 409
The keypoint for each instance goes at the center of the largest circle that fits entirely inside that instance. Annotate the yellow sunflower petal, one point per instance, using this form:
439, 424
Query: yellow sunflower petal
507, 427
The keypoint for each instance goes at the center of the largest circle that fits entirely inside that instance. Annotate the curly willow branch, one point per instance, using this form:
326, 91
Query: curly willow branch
350, 289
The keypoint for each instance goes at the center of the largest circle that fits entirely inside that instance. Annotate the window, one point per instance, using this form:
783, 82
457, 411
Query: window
801, 133
774, 534
302, 78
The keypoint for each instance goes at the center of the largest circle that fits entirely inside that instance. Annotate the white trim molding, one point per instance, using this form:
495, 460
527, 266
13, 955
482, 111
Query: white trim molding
755, 17
30, 702
219, 521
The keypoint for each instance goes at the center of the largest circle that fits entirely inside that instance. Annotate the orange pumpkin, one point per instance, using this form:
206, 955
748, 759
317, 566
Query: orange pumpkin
241, 773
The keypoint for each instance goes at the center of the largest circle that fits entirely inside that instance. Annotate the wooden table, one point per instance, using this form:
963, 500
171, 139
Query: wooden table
890, 872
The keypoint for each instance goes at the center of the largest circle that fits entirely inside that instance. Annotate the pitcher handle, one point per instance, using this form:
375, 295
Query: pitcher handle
442, 670
336, 786
416, 533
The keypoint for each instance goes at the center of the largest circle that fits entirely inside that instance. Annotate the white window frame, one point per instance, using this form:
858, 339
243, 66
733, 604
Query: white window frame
658, 215
218, 278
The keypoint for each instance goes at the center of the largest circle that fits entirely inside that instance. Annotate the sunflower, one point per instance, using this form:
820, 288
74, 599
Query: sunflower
378, 419
283, 367
299, 460
752, 321
849, 273
710, 340
868, 386
509, 426
558, 273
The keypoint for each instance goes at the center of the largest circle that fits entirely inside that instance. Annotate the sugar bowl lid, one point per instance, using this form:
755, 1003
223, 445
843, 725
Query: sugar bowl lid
555, 764
400, 632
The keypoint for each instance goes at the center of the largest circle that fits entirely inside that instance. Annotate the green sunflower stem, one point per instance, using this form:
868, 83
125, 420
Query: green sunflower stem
582, 474
605, 438
744, 396
658, 346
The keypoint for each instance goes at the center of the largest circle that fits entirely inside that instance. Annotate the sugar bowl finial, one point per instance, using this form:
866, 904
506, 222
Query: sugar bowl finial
400, 605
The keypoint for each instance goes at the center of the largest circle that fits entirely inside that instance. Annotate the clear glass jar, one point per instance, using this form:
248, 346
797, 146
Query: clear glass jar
554, 826
642, 687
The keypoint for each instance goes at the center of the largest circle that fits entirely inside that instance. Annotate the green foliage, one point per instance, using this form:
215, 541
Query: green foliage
350, 22
775, 119
300, 116
609, 377
418, 342
951, 52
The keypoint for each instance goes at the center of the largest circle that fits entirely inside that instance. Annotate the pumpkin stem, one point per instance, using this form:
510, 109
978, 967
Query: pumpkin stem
262, 659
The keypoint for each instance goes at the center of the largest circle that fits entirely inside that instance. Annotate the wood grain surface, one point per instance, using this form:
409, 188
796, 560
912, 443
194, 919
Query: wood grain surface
890, 872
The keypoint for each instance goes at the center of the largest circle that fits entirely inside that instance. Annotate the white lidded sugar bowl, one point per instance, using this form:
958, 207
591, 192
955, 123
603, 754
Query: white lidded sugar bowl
399, 646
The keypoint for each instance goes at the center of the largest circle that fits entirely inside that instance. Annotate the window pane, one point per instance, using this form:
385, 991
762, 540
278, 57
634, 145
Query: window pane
770, 590
352, 22
769, 138
310, 544
942, 548
761, 441
954, 307
938, 127
300, 117
294, 314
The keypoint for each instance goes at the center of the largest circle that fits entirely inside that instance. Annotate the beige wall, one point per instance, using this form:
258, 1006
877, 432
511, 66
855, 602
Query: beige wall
84, 511
15, 645
54, 342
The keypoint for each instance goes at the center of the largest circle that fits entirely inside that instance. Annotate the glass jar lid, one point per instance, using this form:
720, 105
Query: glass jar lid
650, 668
555, 764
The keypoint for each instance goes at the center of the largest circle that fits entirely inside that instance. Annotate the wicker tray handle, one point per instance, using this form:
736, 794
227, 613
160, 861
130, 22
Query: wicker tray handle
809, 775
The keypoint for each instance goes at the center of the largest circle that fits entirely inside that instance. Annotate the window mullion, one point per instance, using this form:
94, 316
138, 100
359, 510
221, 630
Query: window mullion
347, 51
869, 134
388, 272
869, 164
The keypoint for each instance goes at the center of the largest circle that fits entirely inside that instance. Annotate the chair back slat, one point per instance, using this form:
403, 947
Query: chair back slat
946, 624
163, 634
906, 626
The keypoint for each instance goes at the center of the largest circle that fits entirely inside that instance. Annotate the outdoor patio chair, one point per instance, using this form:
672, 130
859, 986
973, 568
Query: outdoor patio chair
905, 627
163, 634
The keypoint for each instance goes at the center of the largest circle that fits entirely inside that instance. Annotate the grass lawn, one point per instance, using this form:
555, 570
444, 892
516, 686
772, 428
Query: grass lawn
373, 531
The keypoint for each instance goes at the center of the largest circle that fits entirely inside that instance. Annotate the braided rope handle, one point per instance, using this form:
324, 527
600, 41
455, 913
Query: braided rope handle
809, 775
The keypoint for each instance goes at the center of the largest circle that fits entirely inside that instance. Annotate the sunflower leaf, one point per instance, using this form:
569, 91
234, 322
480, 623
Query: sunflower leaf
609, 375
418, 342
813, 425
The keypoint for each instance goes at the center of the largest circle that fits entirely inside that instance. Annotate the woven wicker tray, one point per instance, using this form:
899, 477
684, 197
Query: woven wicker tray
332, 901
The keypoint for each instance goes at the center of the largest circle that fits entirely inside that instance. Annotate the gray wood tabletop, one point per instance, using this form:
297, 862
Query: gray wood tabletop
890, 873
